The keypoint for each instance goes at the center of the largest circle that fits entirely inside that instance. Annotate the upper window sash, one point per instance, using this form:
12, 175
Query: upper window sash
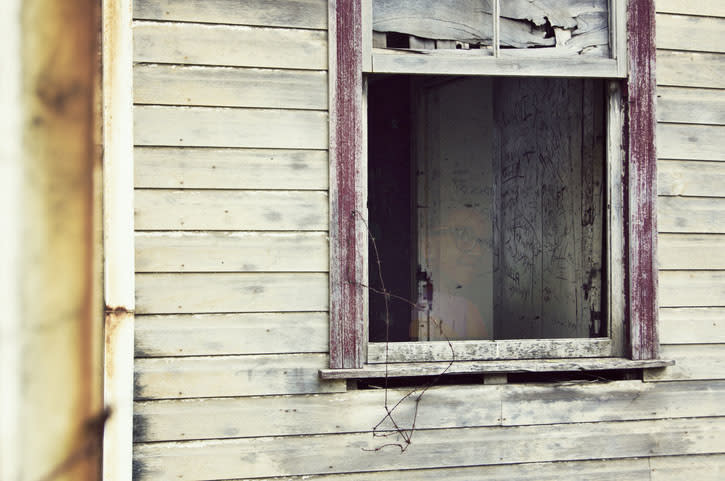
500, 61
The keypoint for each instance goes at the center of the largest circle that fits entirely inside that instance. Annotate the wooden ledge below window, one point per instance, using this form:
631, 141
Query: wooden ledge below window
410, 369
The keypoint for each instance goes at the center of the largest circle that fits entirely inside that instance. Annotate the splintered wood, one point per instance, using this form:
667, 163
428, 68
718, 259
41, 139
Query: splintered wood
572, 27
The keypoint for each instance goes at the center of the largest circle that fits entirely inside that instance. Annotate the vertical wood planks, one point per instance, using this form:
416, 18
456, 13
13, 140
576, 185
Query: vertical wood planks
348, 237
642, 181
118, 240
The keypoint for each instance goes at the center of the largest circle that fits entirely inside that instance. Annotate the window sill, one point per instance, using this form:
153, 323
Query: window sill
487, 367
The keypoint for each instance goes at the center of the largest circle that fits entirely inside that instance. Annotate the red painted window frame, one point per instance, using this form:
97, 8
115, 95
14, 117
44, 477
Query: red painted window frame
347, 179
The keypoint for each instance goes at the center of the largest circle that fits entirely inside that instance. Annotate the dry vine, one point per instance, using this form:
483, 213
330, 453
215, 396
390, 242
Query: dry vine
405, 433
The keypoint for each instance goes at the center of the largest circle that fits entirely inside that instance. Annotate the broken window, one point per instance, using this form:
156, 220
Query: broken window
478, 200
486, 202
562, 27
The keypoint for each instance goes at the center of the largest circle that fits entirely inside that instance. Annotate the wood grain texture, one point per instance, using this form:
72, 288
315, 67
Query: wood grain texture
696, 34
615, 401
224, 45
693, 361
706, 467
522, 23
379, 352
691, 178
208, 168
231, 252
221, 376
699, 325
466, 406
642, 180
353, 411
348, 238
230, 210
691, 251
226, 292
690, 69
690, 142
691, 214
229, 87
515, 63
703, 468
690, 105
692, 7
551, 209
229, 127
410, 369
280, 13
692, 288
229, 334
610, 470
295, 455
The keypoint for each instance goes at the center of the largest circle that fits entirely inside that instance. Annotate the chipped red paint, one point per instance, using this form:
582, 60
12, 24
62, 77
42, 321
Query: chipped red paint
347, 268
642, 180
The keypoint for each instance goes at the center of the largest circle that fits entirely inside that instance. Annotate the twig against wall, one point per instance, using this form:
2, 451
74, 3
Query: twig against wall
382, 428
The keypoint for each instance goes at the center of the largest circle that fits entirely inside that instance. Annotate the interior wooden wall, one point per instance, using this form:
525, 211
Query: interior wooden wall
231, 253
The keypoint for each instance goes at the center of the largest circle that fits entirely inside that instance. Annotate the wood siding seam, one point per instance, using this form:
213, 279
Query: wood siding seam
346, 453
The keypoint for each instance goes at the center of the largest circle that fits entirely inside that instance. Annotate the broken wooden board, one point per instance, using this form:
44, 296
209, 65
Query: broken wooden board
578, 27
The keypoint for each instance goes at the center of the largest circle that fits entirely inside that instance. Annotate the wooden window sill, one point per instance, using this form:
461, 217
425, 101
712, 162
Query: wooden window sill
410, 369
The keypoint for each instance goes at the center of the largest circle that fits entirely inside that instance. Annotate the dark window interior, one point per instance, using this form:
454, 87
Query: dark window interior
486, 203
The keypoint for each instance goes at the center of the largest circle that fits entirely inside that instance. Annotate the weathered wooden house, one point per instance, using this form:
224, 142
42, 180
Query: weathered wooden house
313, 208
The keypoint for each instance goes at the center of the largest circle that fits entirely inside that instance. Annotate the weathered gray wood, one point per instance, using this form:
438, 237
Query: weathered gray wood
226, 292
690, 106
513, 62
522, 22
700, 325
206, 168
230, 210
616, 276
480, 350
680, 32
485, 367
229, 87
692, 7
609, 470
299, 455
465, 406
228, 334
221, 376
551, 208
690, 69
455, 214
353, 411
691, 214
691, 178
693, 142
613, 401
230, 127
348, 184
231, 252
280, 13
693, 361
707, 467
223, 45
692, 288
691, 251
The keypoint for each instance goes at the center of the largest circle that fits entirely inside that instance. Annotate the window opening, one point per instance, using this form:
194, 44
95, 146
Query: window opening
486, 198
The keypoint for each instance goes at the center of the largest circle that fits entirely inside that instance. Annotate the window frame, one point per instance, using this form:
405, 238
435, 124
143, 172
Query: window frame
350, 56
